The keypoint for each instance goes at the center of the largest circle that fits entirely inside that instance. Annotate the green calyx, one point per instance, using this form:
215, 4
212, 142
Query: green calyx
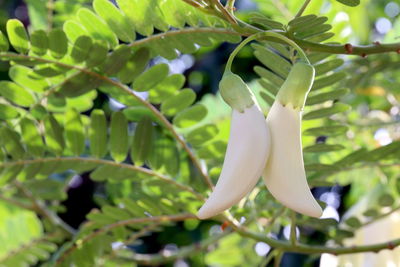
235, 92
295, 89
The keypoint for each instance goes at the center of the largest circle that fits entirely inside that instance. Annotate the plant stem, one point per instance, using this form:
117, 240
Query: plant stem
307, 249
160, 258
230, 6
293, 237
41, 209
107, 228
103, 162
278, 258
303, 7
265, 34
267, 259
219, 7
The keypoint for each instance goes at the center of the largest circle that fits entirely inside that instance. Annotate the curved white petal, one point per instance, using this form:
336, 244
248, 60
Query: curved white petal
284, 174
245, 158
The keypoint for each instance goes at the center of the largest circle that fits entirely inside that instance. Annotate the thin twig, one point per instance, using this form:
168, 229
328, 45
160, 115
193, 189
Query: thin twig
109, 163
278, 258
160, 219
293, 237
230, 6
18, 203
156, 259
381, 216
229, 17
41, 209
50, 11
303, 7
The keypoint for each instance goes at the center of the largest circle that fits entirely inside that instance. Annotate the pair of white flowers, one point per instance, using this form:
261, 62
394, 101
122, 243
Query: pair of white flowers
269, 147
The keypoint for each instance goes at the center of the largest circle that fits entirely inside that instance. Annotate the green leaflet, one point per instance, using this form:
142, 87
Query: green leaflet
54, 135
164, 155
302, 21
142, 141
74, 30
322, 97
139, 14
325, 112
273, 61
117, 21
96, 27
4, 45
150, 78
97, 55
190, 116
178, 102
386, 200
8, 112
328, 80
351, 3
58, 43
74, 132
119, 136
50, 70
260, 19
29, 171
98, 133
16, 94
39, 42
79, 84
172, 13
202, 134
18, 36
331, 130
81, 48
270, 77
31, 137
327, 66
10, 140
166, 88
116, 60
318, 148
138, 112
135, 65
38, 111
116, 173
353, 157
10, 173
28, 79
382, 152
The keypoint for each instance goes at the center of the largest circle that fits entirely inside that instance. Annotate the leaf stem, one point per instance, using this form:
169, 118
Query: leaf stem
50, 11
293, 237
102, 162
278, 258
107, 228
303, 7
41, 209
265, 34
230, 6
219, 7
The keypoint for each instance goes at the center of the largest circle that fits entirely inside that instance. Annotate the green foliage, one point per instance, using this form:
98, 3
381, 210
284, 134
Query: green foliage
150, 151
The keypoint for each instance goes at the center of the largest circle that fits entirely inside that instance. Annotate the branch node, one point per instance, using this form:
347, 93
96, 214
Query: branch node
348, 48
391, 246
224, 225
